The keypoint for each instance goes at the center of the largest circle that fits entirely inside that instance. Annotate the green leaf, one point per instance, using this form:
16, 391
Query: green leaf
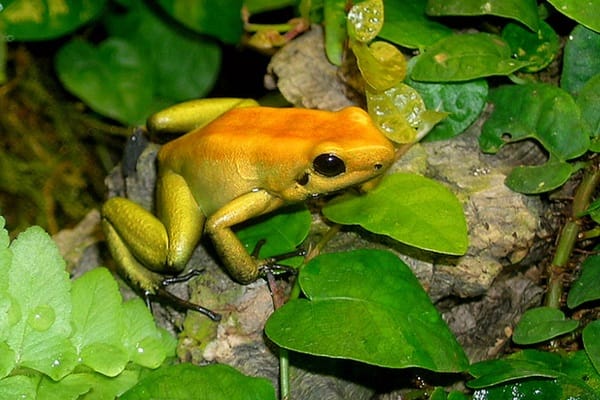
581, 60
463, 101
589, 103
187, 381
282, 231
538, 49
539, 178
575, 378
409, 208
587, 286
41, 311
465, 57
524, 11
380, 63
591, 342
114, 79
184, 65
336, 32
19, 387
524, 364
98, 325
586, 15
144, 342
221, 19
46, 19
407, 25
540, 324
365, 20
351, 312
544, 113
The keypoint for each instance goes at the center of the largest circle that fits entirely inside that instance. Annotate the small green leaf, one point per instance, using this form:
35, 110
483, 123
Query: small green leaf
409, 208
540, 324
46, 19
142, 339
539, 111
221, 19
524, 11
463, 101
187, 381
407, 25
39, 288
586, 15
536, 48
282, 231
591, 342
366, 305
380, 63
524, 364
587, 286
114, 79
539, 178
465, 57
581, 60
588, 101
336, 32
98, 325
365, 20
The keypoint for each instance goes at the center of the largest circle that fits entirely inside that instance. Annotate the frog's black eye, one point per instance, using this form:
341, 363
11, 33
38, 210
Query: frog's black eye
329, 165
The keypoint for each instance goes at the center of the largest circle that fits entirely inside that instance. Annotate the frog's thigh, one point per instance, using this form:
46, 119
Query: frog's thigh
132, 229
129, 266
181, 216
234, 255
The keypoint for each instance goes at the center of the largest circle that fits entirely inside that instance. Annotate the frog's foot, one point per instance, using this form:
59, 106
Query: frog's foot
178, 302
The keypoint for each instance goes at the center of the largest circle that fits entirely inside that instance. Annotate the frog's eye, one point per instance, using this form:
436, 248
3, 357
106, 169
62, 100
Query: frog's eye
329, 165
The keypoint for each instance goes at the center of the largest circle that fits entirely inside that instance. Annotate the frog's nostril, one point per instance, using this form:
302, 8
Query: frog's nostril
378, 166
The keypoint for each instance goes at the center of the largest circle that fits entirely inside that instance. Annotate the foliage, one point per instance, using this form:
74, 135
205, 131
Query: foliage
69, 340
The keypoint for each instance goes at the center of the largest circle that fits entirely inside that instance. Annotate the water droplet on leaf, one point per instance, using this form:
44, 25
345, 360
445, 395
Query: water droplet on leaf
41, 318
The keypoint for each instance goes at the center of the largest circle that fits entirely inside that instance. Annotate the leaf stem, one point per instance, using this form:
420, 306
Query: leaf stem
569, 235
284, 374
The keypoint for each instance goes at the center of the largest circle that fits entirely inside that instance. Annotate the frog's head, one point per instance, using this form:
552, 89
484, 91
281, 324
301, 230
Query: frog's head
354, 154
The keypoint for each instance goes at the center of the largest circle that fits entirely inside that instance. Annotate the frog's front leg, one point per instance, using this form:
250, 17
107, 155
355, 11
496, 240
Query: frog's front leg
240, 264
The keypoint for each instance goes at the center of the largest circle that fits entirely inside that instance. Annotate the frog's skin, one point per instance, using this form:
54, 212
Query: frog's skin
247, 162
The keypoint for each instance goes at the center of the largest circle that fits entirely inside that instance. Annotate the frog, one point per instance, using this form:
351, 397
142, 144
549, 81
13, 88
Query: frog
235, 161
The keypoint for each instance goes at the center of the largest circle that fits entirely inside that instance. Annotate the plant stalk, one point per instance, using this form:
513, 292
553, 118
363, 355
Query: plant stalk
569, 236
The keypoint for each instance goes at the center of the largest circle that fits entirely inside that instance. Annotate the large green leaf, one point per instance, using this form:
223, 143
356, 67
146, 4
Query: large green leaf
145, 65
591, 342
586, 14
524, 11
407, 25
409, 208
336, 32
46, 19
465, 57
542, 112
366, 305
114, 79
40, 313
187, 381
217, 18
581, 60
